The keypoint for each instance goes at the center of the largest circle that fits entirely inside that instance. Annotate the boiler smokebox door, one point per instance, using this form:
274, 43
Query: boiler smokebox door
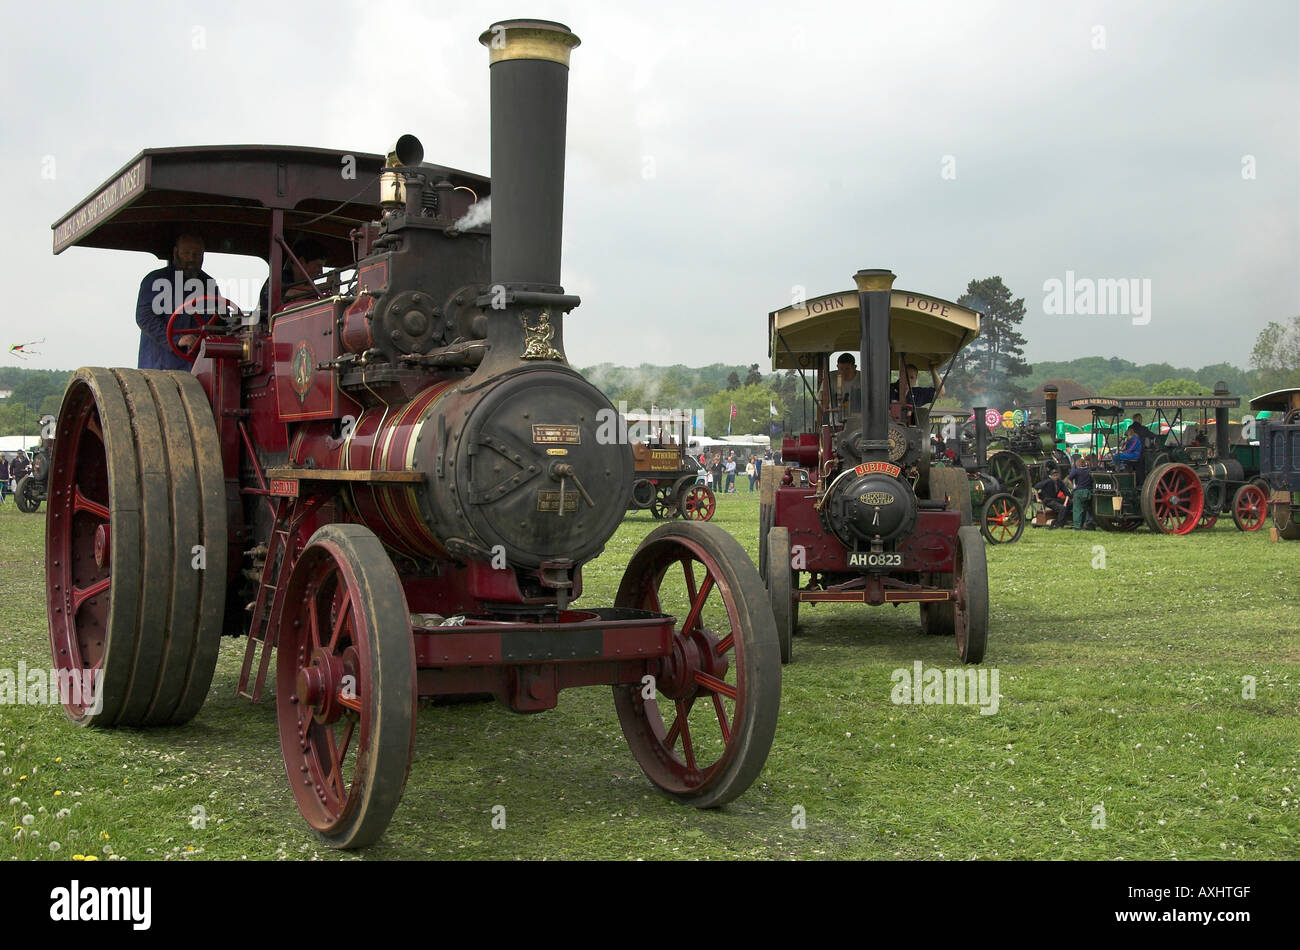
545, 479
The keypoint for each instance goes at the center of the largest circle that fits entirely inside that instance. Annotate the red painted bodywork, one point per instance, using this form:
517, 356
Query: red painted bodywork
263, 411
928, 548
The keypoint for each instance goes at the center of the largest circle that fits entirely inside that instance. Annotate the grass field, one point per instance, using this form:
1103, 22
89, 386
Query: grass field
1125, 730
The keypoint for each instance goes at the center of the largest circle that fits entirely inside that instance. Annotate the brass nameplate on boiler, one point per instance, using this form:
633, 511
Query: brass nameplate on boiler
557, 451
549, 500
543, 435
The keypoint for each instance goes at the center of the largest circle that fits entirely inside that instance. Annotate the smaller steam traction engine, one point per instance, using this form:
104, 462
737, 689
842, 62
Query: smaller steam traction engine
1182, 481
395, 480
856, 509
30, 490
1279, 458
666, 477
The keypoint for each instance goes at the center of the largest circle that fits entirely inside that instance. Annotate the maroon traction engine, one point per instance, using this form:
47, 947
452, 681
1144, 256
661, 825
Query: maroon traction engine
395, 484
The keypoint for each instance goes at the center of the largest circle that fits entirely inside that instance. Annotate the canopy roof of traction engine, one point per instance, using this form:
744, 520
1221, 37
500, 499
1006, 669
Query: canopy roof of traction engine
228, 193
1106, 405
1280, 400
927, 329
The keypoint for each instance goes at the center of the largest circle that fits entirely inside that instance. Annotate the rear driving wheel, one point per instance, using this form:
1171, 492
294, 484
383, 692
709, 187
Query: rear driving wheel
1012, 474
135, 546
971, 608
954, 485
780, 588
1172, 499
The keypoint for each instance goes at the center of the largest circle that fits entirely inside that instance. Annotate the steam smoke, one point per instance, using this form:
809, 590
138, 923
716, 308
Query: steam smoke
479, 213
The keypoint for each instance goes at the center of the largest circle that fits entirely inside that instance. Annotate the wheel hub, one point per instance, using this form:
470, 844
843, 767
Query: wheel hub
102, 545
318, 686
694, 653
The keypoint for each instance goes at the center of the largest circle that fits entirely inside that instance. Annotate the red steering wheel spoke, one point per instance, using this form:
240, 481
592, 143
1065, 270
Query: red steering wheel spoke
205, 318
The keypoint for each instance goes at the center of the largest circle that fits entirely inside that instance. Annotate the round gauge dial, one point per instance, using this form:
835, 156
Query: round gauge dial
897, 442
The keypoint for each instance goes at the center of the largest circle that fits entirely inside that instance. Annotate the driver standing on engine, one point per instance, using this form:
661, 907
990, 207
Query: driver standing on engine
164, 290
845, 396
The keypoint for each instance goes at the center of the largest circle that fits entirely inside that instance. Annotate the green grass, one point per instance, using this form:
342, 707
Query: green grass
1121, 687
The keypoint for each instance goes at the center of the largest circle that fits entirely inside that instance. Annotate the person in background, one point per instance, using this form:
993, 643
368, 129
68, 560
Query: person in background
910, 394
1148, 443
758, 469
749, 471
294, 286
19, 467
4, 478
731, 473
1080, 479
843, 393
1053, 495
719, 474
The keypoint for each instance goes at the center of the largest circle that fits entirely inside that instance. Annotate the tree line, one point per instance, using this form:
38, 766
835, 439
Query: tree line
991, 370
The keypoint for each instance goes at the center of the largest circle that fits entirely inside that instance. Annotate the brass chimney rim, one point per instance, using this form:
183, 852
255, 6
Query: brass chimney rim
874, 279
529, 39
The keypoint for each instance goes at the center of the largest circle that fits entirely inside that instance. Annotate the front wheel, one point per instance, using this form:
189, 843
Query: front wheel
702, 729
345, 686
698, 504
1249, 508
25, 495
1003, 519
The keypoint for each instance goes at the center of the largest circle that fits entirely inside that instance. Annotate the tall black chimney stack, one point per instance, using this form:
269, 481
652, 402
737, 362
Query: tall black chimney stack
529, 63
1221, 447
874, 290
1050, 394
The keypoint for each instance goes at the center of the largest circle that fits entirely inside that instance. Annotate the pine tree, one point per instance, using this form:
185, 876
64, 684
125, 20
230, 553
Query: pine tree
989, 367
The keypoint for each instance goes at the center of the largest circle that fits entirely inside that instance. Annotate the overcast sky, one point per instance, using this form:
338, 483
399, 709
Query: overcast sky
722, 156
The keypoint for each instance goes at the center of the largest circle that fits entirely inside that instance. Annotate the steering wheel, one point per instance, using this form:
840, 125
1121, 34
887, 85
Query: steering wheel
205, 328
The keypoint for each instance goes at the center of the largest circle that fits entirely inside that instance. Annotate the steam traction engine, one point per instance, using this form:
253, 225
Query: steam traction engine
666, 480
857, 509
407, 478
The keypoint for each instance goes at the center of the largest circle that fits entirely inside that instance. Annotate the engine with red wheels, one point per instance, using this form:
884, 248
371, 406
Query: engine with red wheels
392, 488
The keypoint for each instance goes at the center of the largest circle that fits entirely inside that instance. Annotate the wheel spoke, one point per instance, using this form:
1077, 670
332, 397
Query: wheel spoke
335, 775
313, 620
81, 594
347, 741
697, 604
715, 685
679, 723
81, 503
688, 748
351, 702
725, 644
722, 718
343, 614
688, 568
